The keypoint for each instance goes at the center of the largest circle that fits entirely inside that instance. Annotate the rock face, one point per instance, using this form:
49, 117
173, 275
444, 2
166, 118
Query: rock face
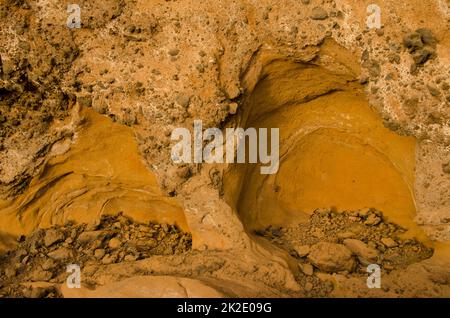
331, 257
140, 69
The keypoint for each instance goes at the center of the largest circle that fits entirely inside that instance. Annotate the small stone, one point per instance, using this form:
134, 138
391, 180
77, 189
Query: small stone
302, 250
130, 258
232, 108
319, 13
114, 243
61, 254
109, 259
388, 242
99, 253
89, 236
53, 236
309, 286
69, 240
446, 168
345, 235
380, 32
307, 269
413, 41
25, 259
372, 220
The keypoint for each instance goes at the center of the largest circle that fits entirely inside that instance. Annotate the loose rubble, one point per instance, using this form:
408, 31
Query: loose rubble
37, 266
344, 243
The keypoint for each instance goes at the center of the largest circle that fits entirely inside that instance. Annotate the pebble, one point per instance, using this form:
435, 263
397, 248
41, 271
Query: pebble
89, 236
109, 259
345, 235
114, 243
130, 258
174, 52
307, 269
61, 253
99, 253
388, 242
372, 220
232, 108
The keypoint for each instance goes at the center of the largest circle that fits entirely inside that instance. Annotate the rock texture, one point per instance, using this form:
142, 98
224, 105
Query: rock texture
152, 66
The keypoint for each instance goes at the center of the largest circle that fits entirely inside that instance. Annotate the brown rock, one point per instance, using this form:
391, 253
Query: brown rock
53, 236
232, 108
372, 220
365, 254
114, 243
89, 236
345, 235
307, 269
331, 257
61, 254
388, 242
302, 250
446, 168
99, 253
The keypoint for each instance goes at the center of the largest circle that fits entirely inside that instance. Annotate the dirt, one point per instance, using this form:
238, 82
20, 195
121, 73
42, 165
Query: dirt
86, 117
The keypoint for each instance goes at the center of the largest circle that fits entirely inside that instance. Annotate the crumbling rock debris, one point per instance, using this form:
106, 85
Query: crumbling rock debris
345, 242
44, 255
